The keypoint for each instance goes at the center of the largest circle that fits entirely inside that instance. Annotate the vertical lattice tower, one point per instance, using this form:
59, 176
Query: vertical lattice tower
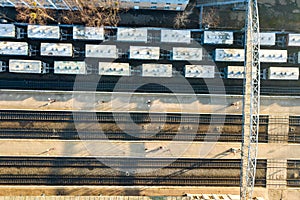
251, 101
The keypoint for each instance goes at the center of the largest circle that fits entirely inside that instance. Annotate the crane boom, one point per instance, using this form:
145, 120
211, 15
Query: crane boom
251, 101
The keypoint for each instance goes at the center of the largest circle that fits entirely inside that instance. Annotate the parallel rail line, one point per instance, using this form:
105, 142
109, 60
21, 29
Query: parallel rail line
122, 180
123, 162
173, 179
110, 87
121, 135
122, 117
86, 117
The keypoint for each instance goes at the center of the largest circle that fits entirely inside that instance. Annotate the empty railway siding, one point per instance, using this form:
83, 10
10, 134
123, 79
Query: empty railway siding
87, 85
90, 171
60, 125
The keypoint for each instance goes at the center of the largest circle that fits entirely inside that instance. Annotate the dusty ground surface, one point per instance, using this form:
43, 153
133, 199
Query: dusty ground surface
141, 191
143, 149
278, 194
127, 102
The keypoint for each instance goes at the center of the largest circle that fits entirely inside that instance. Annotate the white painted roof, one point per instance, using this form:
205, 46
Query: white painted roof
25, 66
237, 55
218, 37
7, 30
235, 72
199, 71
271, 55
229, 55
114, 69
57, 49
267, 39
144, 52
132, 34
101, 51
184, 53
157, 70
175, 36
88, 33
14, 48
283, 73
43, 32
69, 67
294, 40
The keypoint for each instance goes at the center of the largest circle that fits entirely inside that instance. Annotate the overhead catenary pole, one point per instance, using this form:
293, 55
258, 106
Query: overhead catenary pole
251, 101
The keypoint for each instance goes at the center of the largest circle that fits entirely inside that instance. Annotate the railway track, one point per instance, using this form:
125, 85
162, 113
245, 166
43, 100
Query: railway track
120, 135
177, 179
122, 117
110, 86
186, 134
125, 162
123, 181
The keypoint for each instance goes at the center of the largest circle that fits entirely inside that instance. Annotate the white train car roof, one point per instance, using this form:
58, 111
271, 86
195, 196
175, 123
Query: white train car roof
14, 48
26, 66
175, 36
235, 72
157, 70
273, 56
294, 40
185, 53
229, 55
144, 52
199, 71
43, 32
57, 49
69, 67
7, 30
101, 51
132, 34
114, 69
283, 73
218, 37
267, 39
88, 33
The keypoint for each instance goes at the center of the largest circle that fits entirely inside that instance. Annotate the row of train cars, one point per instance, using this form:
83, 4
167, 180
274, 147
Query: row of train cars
181, 49
148, 70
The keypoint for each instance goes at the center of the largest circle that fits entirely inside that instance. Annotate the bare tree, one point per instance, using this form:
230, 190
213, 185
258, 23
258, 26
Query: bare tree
210, 18
33, 14
93, 13
181, 20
